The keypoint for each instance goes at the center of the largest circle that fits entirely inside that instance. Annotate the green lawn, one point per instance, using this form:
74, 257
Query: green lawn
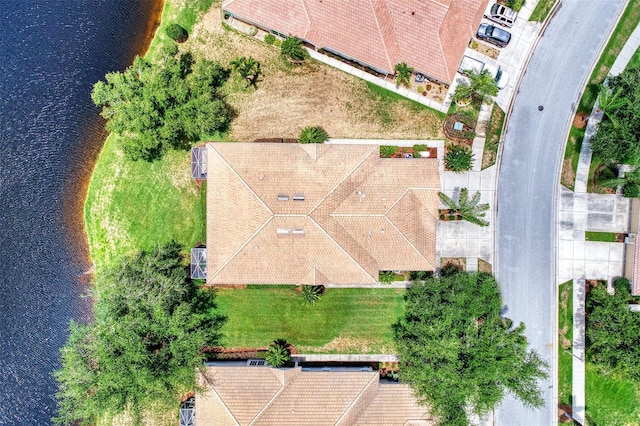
342, 321
635, 60
136, 205
607, 237
542, 10
611, 401
565, 328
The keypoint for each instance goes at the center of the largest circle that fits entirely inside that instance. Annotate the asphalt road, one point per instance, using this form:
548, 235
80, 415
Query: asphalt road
528, 180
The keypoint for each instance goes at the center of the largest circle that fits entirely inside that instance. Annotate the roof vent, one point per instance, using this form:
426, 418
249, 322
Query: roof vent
284, 197
283, 231
298, 198
298, 231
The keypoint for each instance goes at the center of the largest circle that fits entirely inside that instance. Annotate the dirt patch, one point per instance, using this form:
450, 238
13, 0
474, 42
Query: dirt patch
568, 177
484, 266
459, 263
564, 342
580, 120
485, 49
289, 98
347, 345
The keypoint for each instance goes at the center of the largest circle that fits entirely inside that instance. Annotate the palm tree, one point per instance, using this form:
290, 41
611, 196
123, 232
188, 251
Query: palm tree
482, 86
248, 68
469, 209
609, 102
630, 183
311, 293
313, 134
403, 74
278, 353
293, 50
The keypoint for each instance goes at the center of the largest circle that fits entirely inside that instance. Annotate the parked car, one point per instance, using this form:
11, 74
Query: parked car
502, 15
493, 35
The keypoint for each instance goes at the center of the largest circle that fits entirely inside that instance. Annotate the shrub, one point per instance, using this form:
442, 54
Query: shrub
312, 293
515, 4
631, 190
293, 50
459, 158
387, 151
387, 277
177, 33
606, 173
278, 353
313, 135
270, 39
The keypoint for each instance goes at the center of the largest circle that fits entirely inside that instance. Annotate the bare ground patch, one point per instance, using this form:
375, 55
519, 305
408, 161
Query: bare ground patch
290, 98
568, 176
346, 345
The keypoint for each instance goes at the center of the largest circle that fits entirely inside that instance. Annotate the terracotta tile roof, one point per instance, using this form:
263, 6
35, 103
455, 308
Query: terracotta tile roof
400, 397
360, 214
429, 35
250, 395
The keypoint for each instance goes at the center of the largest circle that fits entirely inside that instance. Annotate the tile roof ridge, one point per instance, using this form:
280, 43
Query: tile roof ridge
283, 386
345, 251
309, 20
394, 42
409, 243
450, 75
217, 395
374, 378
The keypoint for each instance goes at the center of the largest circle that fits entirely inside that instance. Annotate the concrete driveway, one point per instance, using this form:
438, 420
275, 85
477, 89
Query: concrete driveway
533, 150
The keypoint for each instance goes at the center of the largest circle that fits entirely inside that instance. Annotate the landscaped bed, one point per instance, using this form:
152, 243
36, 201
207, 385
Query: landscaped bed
342, 321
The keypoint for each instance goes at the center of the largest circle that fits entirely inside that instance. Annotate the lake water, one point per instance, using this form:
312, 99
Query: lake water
51, 53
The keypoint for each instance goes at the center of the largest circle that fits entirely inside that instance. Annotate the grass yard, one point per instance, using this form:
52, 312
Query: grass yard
542, 10
136, 205
342, 321
611, 401
635, 60
628, 22
565, 339
571, 156
607, 237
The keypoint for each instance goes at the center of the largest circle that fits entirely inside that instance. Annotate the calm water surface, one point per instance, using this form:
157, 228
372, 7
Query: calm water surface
51, 53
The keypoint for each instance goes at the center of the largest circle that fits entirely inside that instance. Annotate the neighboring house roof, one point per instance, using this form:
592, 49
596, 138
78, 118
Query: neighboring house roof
429, 35
267, 396
360, 213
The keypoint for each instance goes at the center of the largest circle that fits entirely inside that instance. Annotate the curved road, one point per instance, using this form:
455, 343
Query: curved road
533, 150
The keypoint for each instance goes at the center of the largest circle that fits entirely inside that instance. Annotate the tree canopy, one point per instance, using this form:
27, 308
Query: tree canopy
613, 331
457, 352
169, 104
617, 137
403, 74
151, 324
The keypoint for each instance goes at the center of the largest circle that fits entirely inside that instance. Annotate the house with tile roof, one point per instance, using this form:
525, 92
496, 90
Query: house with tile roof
429, 35
297, 396
316, 214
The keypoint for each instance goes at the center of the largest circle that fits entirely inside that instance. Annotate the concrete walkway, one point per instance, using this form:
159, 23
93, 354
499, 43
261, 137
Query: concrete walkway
579, 259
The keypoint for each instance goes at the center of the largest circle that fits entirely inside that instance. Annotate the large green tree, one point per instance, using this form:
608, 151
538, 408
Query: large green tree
617, 138
457, 352
140, 355
168, 104
613, 331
